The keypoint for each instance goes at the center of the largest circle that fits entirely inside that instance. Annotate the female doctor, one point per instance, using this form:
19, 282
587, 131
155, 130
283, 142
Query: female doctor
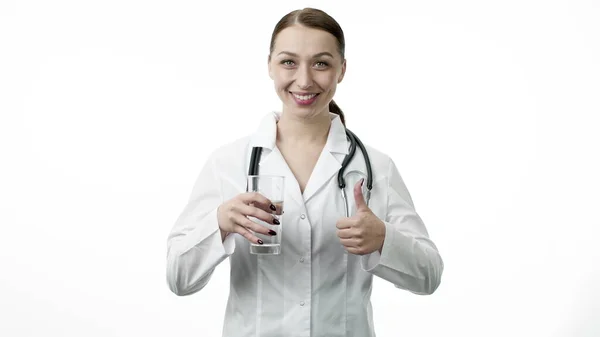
320, 284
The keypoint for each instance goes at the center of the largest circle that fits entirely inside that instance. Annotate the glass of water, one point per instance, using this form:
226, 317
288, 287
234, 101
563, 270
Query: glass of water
272, 187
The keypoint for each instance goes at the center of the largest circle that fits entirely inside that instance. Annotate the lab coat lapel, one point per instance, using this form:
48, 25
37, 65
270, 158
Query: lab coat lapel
326, 167
328, 164
330, 161
273, 163
271, 160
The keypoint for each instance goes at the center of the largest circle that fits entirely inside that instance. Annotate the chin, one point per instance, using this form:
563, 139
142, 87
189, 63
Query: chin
303, 113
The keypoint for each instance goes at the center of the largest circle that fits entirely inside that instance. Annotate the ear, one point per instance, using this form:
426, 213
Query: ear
341, 77
269, 66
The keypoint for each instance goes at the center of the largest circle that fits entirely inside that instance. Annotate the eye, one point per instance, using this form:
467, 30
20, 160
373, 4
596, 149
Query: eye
288, 63
322, 64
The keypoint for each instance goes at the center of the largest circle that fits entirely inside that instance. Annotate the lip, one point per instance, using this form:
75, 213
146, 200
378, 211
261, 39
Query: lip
304, 93
307, 102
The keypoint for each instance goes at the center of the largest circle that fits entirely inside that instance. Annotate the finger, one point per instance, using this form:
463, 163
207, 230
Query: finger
345, 233
355, 250
258, 200
246, 234
262, 202
343, 223
278, 207
349, 243
251, 225
361, 205
253, 211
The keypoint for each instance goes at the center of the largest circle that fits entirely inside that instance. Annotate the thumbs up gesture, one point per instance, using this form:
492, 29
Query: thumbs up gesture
364, 232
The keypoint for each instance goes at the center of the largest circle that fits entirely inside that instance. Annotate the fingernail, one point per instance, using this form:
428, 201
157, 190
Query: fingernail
272, 232
275, 221
273, 207
260, 242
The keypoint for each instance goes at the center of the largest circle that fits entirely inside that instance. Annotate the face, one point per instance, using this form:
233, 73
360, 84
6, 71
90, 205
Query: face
306, 67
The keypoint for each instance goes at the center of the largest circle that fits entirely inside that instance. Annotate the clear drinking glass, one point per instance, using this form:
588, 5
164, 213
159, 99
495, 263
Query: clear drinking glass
272, 187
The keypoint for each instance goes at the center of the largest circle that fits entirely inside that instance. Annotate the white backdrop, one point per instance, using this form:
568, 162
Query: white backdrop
109, 109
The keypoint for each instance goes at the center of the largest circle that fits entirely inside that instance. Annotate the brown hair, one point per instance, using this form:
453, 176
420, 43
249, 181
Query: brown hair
318, 19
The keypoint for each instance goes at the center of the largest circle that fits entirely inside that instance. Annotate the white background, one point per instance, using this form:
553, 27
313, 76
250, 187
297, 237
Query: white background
109, 109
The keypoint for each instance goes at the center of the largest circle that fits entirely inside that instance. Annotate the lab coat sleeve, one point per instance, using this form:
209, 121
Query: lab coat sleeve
409, 259
194, 245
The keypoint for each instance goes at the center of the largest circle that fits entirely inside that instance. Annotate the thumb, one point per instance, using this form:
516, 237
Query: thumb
361, 205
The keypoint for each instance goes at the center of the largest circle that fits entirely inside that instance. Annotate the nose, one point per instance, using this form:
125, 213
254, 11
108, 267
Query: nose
304, 78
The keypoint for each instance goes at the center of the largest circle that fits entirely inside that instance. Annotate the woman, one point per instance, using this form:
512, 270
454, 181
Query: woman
320, 284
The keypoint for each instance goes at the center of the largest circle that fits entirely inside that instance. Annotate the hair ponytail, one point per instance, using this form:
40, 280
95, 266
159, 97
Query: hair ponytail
334, 108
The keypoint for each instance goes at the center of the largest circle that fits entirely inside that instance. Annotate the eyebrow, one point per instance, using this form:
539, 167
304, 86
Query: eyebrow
314, 56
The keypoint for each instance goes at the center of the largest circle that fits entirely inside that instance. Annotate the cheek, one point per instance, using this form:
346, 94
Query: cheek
327, 80
281, 80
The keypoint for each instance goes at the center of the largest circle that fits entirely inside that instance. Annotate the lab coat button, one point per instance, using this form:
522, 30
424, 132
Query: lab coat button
302, 303
301, 259
302, 216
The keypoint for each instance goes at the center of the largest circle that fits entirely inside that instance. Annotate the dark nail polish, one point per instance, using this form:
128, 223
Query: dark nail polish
272, 232
260, 242
275, 221
362, 181
273, 207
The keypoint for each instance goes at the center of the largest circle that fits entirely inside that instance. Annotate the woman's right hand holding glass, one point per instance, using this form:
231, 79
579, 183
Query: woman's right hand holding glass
233, 216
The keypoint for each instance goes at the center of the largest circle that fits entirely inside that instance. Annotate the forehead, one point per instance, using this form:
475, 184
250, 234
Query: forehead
305, 41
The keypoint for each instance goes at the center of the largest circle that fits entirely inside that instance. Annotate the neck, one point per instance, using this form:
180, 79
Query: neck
303, 131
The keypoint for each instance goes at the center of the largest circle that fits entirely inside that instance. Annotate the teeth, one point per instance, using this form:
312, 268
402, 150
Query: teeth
304, 98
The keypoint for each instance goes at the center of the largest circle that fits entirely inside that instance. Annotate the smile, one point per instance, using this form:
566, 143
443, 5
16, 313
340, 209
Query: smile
304, 99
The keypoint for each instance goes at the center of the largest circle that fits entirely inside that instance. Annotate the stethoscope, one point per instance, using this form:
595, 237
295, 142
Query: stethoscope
354, 141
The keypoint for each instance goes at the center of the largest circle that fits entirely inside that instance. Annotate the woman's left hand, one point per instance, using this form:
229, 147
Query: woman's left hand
362, 233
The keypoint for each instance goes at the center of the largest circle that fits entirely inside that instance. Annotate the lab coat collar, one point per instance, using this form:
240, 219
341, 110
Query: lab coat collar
266, 135
328, 164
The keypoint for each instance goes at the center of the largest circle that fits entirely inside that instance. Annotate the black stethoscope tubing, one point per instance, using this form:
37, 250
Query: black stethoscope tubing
354, 141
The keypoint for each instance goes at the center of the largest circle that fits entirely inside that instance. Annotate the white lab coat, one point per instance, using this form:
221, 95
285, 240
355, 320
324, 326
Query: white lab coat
314, 287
